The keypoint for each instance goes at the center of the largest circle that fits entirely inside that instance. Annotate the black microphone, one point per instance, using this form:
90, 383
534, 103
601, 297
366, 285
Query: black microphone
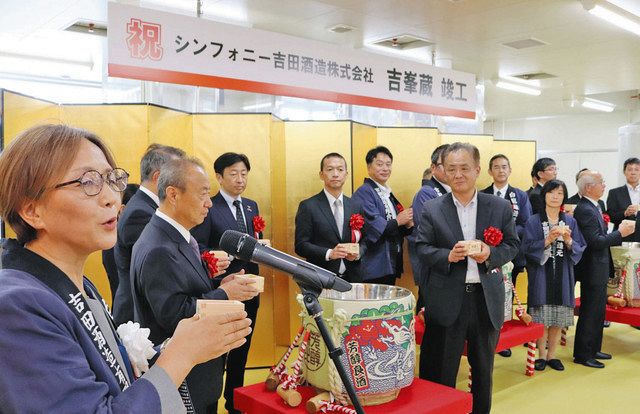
313, 277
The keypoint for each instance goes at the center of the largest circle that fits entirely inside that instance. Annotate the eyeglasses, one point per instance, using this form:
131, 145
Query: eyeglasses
92, 181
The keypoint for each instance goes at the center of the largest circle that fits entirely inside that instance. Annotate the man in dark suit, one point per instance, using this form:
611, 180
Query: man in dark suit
464, 294
438, 179
593, 269
322, 223
134, 218
108, 258
230, 211
573, 200
623, 202
500, 171
168, 275
544, 170
386, 221
434, 187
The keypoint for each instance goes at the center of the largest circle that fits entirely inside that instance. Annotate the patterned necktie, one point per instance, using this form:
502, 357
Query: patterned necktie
194, 246
239, 217
499, 194
338, 216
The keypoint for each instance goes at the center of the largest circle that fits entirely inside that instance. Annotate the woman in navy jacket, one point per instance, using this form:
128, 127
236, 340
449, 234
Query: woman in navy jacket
59, 351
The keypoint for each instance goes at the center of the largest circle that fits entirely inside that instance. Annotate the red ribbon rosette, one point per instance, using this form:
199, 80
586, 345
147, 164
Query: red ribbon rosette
356, 222
562, 208
492, 236
258, 226
606, 219
212, 263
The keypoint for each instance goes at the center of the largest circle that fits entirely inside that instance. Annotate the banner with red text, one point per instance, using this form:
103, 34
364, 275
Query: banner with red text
158, 46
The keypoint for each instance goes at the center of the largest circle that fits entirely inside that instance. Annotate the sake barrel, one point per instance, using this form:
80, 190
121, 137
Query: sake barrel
374, 326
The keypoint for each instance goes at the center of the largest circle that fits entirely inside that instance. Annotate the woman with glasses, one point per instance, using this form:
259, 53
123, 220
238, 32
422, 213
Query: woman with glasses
552, 245
59, 352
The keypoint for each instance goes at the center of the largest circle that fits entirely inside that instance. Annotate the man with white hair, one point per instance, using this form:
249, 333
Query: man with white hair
594, 269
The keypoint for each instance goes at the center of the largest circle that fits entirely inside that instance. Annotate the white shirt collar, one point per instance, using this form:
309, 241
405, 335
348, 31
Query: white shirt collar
331, 198
474, 200
636, 188
502, 190
446, 187
228, 198
595, 202
384, 188
150, 193
184, 232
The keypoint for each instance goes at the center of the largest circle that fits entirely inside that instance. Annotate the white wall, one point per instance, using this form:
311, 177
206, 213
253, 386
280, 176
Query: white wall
577, 141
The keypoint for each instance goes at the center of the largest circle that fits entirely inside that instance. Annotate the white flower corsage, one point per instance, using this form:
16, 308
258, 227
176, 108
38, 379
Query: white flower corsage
139, 348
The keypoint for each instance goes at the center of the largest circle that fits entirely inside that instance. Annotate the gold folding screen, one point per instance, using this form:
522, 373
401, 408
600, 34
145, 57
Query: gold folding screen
285, 161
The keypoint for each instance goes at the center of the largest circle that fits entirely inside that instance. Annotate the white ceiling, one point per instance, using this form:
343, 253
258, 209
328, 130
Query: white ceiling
589, 55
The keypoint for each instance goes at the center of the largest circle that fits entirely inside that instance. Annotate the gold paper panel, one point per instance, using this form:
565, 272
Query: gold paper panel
411, 149
122, 127
522, 156
363, 138
22, 112
279, 232
169, 127
485, 146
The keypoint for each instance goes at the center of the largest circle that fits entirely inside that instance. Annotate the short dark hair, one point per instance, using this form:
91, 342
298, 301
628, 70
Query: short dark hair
580, 172
128, 192
541, 165
495, 157
155, 157
332, 155
552, 185
435, 155
174, 174
632, 160
228, 159
373, 152
462, 146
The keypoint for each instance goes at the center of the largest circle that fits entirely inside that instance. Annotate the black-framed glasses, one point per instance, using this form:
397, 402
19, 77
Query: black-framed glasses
92, 181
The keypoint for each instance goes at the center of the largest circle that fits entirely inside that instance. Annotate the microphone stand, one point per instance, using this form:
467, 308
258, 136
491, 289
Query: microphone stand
311, 303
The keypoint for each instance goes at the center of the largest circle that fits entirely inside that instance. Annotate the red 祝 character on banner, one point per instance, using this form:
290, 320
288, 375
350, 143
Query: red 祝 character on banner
399, 208
355, 223
144, 39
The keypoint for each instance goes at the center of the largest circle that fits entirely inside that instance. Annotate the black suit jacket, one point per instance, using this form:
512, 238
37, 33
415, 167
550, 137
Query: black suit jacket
218, 220
618, 200
439, 231
167, 278
594, 267
133, 220
537, 203
316, 232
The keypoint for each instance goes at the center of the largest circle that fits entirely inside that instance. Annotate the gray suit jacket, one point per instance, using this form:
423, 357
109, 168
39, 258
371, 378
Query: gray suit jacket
439, 231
